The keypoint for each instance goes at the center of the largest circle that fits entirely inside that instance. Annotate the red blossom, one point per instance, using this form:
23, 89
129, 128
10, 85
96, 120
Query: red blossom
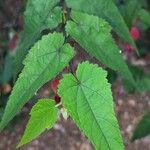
57, 98
54, 85
135, 33
128, 48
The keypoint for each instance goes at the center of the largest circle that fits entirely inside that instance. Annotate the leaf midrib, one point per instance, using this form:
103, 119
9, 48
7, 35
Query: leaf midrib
95, 117
81, 86
106, 55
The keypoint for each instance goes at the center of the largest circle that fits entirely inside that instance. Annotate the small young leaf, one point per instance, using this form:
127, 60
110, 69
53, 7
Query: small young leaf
39, 15
88, 98
43, 116
107, 10
45, 60
93, 34
143, 128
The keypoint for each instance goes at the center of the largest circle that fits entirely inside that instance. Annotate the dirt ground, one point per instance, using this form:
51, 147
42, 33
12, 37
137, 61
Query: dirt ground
66, 136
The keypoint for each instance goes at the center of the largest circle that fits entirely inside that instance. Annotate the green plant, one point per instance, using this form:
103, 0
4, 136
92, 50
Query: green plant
86, 93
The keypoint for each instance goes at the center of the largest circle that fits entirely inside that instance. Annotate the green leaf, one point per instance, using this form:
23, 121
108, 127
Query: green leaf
107, 10
141, 78
45, 60
93, 34
143, 128
112, 75
88, 98
43, 116
130, 11
39, 15
144, 16
7, 73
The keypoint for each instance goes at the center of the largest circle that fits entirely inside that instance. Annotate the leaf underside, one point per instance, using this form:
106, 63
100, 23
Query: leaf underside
45, 60
87, 97
43, 116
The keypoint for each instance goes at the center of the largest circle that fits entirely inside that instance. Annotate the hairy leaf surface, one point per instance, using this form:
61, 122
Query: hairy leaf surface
93, 34
105, 9
39, 15
87, 97
44, 61
43, 116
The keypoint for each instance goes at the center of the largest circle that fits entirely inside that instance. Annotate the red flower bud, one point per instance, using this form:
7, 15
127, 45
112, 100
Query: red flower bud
57, 98
128, 48
135, 33
54, 85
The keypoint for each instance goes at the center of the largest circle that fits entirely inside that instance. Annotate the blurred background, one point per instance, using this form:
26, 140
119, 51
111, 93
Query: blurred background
130, 104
